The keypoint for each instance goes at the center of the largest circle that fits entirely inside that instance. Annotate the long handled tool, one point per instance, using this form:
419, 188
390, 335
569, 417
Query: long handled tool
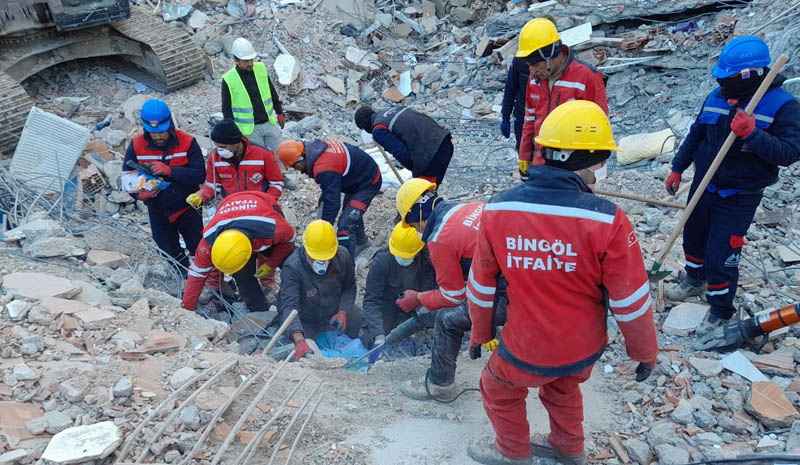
639, 198
402, 331
655, 274
740, 333
389, 162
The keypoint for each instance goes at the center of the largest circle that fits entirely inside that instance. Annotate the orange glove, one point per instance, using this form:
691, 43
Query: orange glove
161, 169
282, 120
144, 195
301, 349
409, 301
743, 125
673, 183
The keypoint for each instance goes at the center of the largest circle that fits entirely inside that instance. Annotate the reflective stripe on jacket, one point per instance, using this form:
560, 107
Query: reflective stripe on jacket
241, 105
256, 171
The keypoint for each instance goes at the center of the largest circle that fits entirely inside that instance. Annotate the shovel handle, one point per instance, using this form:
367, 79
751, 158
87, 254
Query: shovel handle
723, 151
389, 162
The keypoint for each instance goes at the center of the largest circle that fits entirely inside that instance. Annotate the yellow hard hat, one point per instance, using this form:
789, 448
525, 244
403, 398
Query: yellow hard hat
577, 125
319, 240
231, 251
535, 34
404, 241
409, 192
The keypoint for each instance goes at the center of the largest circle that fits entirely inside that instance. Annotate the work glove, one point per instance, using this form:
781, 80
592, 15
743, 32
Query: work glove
379, 339
263, 271
505, 128
491, 345
523, 168
408, 301
643, 371
339, 322
673, 183
145, 194
194, 200
301, 350
282, 121
743, 125
160, 169
475, 351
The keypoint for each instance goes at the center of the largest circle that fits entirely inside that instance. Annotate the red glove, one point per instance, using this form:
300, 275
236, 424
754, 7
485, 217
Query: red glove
408, 301
339, 321
144, 195
161, 169
301, 349
673, 183
281, 120
743, 125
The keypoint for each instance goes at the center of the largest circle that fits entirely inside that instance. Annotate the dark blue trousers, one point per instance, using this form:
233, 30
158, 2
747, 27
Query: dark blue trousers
350, 229
712, 243
438, 167
165, 234
518, 132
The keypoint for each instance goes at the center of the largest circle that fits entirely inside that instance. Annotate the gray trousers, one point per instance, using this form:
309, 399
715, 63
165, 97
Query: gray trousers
268, 135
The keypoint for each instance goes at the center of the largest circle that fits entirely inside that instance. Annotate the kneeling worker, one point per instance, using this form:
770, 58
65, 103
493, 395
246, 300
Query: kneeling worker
405, 264
338, 168
246, 224
318, 280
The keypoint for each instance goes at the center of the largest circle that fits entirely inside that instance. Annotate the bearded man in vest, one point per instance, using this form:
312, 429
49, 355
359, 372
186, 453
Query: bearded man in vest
250, 99
174, 156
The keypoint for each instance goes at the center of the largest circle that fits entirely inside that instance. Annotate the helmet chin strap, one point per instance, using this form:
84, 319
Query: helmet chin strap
547, 58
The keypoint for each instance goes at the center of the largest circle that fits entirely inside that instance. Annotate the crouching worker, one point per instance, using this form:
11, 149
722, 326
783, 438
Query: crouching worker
246, 225
318, 280
405, 264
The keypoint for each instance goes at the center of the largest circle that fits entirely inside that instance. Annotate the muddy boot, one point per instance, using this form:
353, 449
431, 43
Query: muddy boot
205, 296
541, 447
709, 324
416, 389
684, 290
484, 451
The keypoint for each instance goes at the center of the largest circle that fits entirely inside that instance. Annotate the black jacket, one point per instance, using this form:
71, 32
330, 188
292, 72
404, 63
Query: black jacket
412, 137
514, 92
387, 279
316, 298
249, 80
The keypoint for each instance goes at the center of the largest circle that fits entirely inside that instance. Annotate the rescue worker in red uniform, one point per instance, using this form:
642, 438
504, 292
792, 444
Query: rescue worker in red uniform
176, 157
567, 255
245, 225
236, 164
556, 77
338, 168
449, 231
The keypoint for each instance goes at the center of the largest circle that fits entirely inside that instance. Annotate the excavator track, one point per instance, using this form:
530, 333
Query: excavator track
14, 107
182, 62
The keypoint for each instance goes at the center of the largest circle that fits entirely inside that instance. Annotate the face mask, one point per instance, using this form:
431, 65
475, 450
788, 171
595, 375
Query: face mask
320, 267
224, 153
419, 234
599, 175
404, 261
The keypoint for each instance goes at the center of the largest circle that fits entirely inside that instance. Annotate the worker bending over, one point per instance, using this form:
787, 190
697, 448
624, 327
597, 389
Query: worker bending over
405, 264
174, 156
318, 280
449, 231
556, 77
246, 224
568, 257
338, 168
414, 139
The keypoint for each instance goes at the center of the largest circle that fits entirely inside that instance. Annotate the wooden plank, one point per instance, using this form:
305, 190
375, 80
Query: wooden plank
615, 444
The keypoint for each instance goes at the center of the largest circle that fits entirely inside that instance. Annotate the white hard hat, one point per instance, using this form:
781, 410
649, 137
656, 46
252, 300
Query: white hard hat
243, 49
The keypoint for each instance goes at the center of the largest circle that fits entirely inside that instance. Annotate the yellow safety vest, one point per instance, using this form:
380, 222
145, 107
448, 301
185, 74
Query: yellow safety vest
241, 105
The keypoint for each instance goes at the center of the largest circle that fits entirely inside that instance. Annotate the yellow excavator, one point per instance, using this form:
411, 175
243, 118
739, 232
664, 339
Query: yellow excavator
38, 34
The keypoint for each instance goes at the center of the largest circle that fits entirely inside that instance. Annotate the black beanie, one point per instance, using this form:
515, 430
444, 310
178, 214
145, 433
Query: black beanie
226, 132
579, 159
363, 118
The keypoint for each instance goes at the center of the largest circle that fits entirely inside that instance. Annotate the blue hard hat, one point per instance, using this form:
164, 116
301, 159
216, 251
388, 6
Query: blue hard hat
156, 116
741, 53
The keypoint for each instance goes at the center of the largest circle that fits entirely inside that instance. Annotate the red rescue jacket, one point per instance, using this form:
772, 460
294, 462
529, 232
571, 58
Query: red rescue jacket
257, 215
256, 171
450, 237
579, 81
563, 251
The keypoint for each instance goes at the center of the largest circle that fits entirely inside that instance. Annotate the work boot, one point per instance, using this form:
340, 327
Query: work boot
709, 324
484, 451
541, 447
416, 389
684, 290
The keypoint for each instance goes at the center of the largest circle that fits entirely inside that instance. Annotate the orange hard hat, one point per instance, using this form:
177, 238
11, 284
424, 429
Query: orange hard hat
290, 151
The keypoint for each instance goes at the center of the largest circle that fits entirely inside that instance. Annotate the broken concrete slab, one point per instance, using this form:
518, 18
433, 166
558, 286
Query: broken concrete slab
336, 84
287, 68
181, 377
52, 247
162, 341
25, 373
684, 318
107, 258
706, 367
58, 306
12, 424
466, 100
361, 58
671, 455
73, 389
779, 363
12, 457
56, 422
17, 309
83, 443
90, 294
95, 318
738, 363
769, 405
39, 285
788, 255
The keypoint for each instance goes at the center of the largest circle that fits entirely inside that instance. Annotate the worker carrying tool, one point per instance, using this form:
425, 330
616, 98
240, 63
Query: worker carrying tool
714, 233
449, 231
414, 139
338, 168
250, 99
740, 333
236, 164
176, 157
568, 256
318, 280
405, 264
556, 77
246, 224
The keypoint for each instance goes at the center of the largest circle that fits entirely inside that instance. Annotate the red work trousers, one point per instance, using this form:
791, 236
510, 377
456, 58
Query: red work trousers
504, 388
